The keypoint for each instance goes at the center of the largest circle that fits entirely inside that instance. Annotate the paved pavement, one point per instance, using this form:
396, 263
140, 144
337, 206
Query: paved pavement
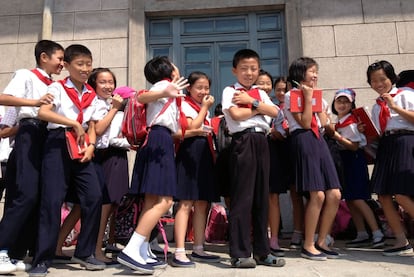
356, 262
362, 262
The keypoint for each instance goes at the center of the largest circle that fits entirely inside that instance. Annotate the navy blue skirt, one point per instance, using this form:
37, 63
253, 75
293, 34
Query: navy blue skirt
313, 164
154, 169
280, 170
114, 164
195, 171
356, 175
394, 165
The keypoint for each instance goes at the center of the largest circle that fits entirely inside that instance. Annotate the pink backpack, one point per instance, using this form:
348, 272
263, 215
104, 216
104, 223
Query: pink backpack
134, 125
217, 224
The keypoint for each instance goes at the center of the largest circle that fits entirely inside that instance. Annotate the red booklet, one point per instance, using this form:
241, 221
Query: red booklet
370, 131
362, 114
73, 147
296, 101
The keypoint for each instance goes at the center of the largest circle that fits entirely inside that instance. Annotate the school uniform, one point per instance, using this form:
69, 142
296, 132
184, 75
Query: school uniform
356, 176
393, 171
313, 164
111, 161
154, 169
249, 175
58, 171
279, 176
195, 165
19, 223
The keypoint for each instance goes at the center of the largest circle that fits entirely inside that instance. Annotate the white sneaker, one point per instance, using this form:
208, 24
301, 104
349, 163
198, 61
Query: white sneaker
21, 265
6, 266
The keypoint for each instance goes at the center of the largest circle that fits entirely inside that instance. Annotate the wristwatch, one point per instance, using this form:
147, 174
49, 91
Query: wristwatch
255, 104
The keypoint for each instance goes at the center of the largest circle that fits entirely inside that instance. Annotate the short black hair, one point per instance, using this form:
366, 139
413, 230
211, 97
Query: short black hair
404, 78
264, 72
245, 54
75, 50
194, 76
282, 79
46, 46
158, 68
386, 66
298, 68
94, 75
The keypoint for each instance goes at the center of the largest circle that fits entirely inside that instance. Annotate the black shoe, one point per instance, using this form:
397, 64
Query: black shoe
205, 258
90, 263
110, 248
277, 252
131, 263
399, 251
329, 253
315, 257
358, 243
39, 270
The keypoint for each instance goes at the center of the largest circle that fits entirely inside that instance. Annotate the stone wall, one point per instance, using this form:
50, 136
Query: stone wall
346, 36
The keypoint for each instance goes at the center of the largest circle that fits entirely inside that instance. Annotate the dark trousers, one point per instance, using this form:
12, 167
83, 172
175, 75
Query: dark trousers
18, 226
58, 171
249, 195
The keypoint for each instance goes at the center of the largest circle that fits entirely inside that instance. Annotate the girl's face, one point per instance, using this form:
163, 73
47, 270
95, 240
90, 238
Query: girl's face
380, 82
264, 83
280, 90
199, 89
105, 85
311, 76
342, 105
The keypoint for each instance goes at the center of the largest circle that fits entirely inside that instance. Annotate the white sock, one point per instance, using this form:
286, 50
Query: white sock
132, 249
143, 251
150, 254
377, 234
362, 235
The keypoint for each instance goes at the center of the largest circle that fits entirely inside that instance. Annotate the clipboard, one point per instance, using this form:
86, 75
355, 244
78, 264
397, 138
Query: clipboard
296, 101
73, 147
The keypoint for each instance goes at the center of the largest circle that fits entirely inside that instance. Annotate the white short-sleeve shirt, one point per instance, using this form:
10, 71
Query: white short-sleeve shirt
63, 105
25, 84
258, 120
404, 99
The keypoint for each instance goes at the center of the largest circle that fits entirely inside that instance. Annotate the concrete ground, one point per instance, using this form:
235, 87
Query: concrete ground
355, 262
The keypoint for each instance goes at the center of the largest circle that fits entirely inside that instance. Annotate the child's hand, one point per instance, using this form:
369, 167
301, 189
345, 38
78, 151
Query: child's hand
361, 127
117, 101
87, 153
208, 101
242, 98
329, 130
45, 99
174, 89
307, 91
388, 98
80, 133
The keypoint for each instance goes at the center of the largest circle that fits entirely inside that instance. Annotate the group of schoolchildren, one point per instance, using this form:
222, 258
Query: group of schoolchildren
272, 149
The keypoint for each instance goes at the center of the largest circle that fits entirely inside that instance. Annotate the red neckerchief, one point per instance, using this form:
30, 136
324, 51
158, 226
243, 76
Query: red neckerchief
73, 95
197, 108
47, 81
348, 121
314, 126
384, 113
285, 124
252, 93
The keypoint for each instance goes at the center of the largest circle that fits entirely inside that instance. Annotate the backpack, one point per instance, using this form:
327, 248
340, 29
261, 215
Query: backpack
126, 217
217, 224
134, 124
72, 237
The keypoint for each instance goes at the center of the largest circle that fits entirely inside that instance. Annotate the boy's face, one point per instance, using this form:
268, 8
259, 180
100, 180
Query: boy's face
246, 72
79, 68
52, 64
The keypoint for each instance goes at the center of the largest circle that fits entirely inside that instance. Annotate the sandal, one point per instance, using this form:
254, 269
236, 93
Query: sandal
270, 260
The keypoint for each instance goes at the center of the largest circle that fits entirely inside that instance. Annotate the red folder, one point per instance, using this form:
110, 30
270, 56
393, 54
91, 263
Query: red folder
296, 101
73, 147
371, 132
